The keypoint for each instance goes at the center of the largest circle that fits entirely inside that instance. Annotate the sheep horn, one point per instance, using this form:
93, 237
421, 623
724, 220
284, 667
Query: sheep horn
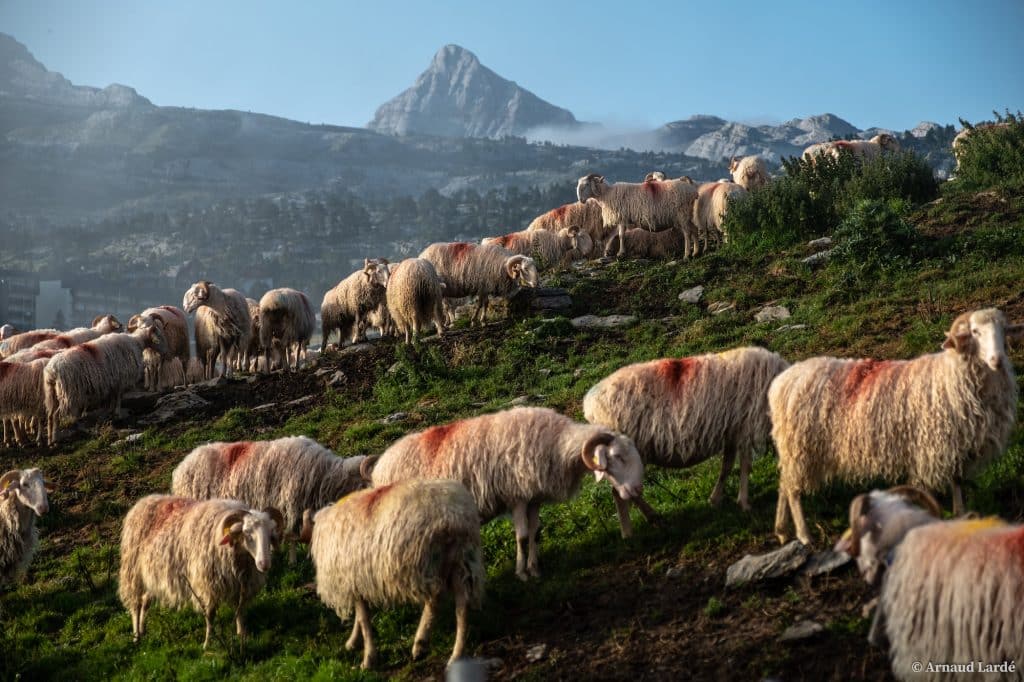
858, 508
133, 322
7, 479
366, 468
590, 450
96, 320
228, 527
514, 264
306, 534
920, 497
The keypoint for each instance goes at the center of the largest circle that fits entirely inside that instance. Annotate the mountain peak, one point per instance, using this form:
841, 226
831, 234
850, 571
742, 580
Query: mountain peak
457, 96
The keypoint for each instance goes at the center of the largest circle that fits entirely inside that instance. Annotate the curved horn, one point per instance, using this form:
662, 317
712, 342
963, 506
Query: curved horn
10, 477
228, 527
133, 322
366, 468
590, 457
96, 320
918, 496
513, 264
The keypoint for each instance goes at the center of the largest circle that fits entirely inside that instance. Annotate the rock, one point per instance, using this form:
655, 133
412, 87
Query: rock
550, 298
545, 372
772, 312
780, 562
805, 629
825, 561
337, 379
173, 404
692, 295
820, 243
396, 417
674, 573
469, 670
608, 322
791, 327
300, 401
536, 653
577, 373
818, 258
521, 400
720, 307
356, 348
493, 663
323, 371
214, 382
264, 407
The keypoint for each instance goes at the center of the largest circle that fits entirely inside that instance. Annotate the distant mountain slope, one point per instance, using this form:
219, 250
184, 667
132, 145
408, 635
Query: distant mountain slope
457, 96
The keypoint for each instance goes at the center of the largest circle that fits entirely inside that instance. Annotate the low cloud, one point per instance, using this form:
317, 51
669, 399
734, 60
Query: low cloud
599, 136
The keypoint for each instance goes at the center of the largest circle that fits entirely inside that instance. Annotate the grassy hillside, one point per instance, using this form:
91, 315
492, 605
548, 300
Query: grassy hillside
905, 265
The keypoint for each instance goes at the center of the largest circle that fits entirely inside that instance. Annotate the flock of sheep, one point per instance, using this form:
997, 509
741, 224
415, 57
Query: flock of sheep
407, 526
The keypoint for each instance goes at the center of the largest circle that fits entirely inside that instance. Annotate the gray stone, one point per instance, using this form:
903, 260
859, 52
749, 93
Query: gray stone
825, 561
356, 348
337, 379
774, 564
173, 404
323, 371
521, 400
805, 629
791, 327
551, 302
577, 373
536, 653
720, 307
545, 372
818, 258
300, 401
674, 573
608, 322
396, 417
264, 407
820, 243
772, 312
692, 295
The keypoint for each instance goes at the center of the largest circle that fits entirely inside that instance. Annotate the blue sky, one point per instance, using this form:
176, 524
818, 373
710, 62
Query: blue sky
889, 64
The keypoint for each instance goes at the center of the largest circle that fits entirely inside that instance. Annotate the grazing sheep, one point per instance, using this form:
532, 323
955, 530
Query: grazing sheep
174, 325
96, 373
180, 551
950, 595
481, 271
286, 322
929, 420
750, 172
654, 205
515, 460
547, 248
401, 543
347, 306
586, 216
863, 150
53, 339
21, 394
289, 474
231, 330
680, 412
713, 200
643, 243
415, 297
22, 498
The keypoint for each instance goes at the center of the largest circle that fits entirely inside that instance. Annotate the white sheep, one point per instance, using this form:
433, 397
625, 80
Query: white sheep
290, 474
213, 332
654, 205
682, 411
180, 552
547, 248
22, 498
514, 461
928, 421
641, 243
967, 133
250, 358
164, 371
347, 306
713, 199
231, 330
7, 331
286, 324
863, 150
415, 297
586, 216
95, 373
750, 172
21, 394
408, 542
58, 340
481, 271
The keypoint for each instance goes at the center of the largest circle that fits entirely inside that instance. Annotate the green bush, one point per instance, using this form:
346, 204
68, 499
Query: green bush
993, 156
875, 238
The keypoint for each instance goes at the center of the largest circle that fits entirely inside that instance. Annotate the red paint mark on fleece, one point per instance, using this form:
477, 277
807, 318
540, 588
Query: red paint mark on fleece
234, 453
843, 144
371, 498
91, 350
653, 188
7, 368
32, 338
460, 250
433, 439
559, 213
862, 375
1015, 546
166, 510
674, 373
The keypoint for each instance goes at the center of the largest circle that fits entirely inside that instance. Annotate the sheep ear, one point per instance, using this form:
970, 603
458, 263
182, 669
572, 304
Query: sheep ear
11, 479
231, 527
850, 541
961, 342
918, 496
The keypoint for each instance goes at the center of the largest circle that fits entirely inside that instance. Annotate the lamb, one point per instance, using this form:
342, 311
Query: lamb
407, 542
515, 460
232, 331
750, 172
21, 393
713, 200
415, 297
643, 243
87, 375
347, 306
481, 271
53, 339
951, 593
289, 474
22, 498
164, 371
653, 205
181, 551
547, 248
586, 216
286, 322
680, 412
930, 420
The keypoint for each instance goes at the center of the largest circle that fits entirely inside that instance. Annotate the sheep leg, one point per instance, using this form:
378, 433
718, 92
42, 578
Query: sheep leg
522, 525
802, 532
240, 617
782, 517
622, 240
143, 606
746, 462
356, 636
461, 619
369, 651
419, 644
958, 498
728, 457
533, 515
622, 507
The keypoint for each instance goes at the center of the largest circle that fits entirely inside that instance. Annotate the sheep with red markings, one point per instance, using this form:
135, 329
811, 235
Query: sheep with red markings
654, 205
514, 461
347, 307
415, 298
549, 249
287, 321
481, 271
164, 371
22, 401
250, 358
58, 340
411, 541
750, 172
228, 331
586, 216
929, 421
681, 412
643, 243
713, 199
863, 150
22, 499
181, 552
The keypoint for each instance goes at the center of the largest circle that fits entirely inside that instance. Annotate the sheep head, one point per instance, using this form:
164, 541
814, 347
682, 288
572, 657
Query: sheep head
28, 489
887, 142
613, 456
106, 324
654, 176
590, 186
197, 295
981, 333
376, 272
151, 333
7, 331
252, 532
522, 270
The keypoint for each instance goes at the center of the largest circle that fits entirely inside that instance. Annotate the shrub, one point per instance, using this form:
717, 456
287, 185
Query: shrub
992, 156
875, 238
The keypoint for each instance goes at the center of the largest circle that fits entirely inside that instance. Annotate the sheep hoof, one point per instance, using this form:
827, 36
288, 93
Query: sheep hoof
534, 572
782, 537
419, 649
522, 576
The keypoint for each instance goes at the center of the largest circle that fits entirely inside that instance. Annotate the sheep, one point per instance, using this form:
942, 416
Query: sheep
929, 420
163, 372
181, 551
586, 216
23, 497
653, 205
51, 338
213, 332
656, 176
713, 200
415, 297
95, 372
643, 243
250, 357
21, 393
286, 321
951, 593
407, 542
481, 271
966, 133
682, 411
232, 331
347, 306
547, 248
515, 460
7, 331
289, 474
863, 150
750, 172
